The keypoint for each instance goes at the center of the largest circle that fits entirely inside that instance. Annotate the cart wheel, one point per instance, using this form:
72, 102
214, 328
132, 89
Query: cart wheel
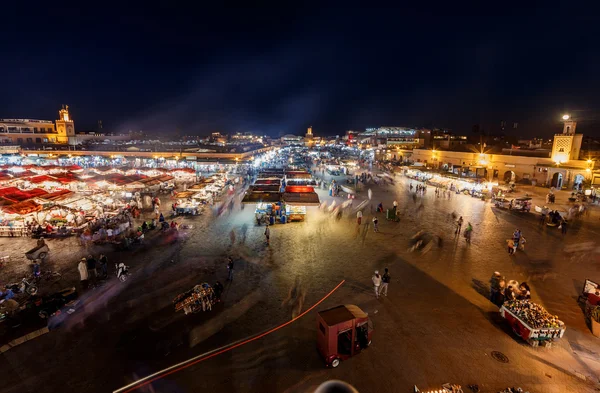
335, 362
42, 255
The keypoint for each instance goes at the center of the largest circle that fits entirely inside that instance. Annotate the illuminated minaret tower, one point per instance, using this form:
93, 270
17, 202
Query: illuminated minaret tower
309, 134
65, 127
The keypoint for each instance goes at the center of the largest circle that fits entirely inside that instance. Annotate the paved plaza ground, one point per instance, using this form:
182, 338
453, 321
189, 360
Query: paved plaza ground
436, 325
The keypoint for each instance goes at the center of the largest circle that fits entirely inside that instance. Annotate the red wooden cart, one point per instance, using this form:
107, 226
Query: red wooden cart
531, 335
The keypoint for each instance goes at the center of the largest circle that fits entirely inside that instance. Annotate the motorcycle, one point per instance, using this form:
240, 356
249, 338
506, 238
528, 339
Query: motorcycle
122, 271
23, 287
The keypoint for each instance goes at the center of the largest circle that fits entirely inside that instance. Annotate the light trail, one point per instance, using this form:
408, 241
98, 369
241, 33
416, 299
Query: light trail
197, 359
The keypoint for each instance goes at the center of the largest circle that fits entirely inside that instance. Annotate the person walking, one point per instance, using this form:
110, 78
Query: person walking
91, 266
267, 233
376, 283
516, 239
385, 280
103, 266
468, 232
375, 224
359, 217
83, 272
229, 269
459, 225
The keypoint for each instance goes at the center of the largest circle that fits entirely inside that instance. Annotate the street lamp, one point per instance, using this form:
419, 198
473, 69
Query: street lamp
566, 117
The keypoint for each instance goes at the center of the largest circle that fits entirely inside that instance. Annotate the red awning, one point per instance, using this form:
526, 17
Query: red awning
304, 189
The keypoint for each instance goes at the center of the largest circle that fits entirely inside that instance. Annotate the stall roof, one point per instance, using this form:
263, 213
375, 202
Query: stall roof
267, 182
298, 175
57, 195
164, 178
13, 194
301, 198
137, 178
184, 194
26, 173
22, 208
42, 179
258, 197
264, 188
183, 170
74, 168
304, 189
151, 181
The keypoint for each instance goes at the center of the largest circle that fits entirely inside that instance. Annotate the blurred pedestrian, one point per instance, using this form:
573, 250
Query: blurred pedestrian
376, 283
230, 269
459, 225
232, 237
375, 224
267, 233
359, 217
103, 266
385, 280
563, 227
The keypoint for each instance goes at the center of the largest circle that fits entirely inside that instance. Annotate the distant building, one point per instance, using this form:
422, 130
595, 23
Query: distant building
400, 137
217, 137
443, 139
558, 168
290, 139
29, 131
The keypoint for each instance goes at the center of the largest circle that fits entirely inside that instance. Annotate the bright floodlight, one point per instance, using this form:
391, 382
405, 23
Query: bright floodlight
566, 117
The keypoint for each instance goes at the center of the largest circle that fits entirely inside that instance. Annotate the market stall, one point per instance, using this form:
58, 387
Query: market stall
296, 199
185, 203
532, 322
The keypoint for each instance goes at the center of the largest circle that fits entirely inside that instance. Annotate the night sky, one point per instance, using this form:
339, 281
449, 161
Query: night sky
277, 69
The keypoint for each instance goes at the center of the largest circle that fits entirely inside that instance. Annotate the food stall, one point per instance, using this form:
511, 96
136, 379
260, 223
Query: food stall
295, 213
296, 199
186, 204
532, 322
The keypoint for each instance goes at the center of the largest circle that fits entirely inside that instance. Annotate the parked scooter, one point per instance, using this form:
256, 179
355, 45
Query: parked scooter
122, 271
23, 287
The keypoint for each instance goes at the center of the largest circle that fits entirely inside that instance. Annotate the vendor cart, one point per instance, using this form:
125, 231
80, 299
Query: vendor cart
39, 252
533, 336
200, 298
